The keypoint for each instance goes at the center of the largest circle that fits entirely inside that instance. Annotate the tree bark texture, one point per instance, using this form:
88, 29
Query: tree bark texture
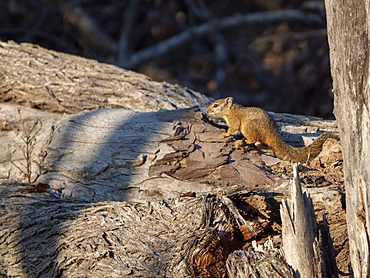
65, 83
299, 229
48, 237
119, 154
307, 245
142, 193
349, 36
265, 264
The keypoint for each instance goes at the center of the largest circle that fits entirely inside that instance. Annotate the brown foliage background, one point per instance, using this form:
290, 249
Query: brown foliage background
278, 64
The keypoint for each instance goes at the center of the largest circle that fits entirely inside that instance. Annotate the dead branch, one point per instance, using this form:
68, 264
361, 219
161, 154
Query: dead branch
219, 24
124, 49
220, 46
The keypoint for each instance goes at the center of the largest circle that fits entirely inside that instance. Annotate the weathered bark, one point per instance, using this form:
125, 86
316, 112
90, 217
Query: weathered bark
349, 36
258, 264
117, 154
299, 229
95, 158
65, 83
45, 237
111, 198
307, 248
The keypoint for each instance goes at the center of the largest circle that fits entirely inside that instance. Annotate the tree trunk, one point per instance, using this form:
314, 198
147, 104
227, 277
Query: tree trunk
65, 83
349, 36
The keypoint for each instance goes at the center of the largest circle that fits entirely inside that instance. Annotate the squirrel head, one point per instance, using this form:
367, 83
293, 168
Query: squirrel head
220, 107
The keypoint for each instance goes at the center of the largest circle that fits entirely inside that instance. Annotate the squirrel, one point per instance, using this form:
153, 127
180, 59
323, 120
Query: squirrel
258, 127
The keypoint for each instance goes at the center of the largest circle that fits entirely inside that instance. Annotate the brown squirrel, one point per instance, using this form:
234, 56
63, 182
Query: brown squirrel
258, 127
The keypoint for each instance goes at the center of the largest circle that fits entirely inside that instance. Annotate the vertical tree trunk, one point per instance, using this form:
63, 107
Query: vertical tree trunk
348, 33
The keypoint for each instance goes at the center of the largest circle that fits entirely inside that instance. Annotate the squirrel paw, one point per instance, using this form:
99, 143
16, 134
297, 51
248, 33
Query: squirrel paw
240, 143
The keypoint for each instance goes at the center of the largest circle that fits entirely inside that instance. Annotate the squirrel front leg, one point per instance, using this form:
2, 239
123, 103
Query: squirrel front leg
230, 131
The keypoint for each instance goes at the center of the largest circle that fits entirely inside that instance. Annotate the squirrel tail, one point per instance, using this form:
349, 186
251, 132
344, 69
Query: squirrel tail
303, 154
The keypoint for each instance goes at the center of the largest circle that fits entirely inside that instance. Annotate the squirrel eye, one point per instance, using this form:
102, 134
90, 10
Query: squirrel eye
215, 105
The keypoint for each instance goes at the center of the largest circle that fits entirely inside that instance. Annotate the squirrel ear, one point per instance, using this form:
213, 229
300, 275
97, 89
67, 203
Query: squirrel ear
229, 101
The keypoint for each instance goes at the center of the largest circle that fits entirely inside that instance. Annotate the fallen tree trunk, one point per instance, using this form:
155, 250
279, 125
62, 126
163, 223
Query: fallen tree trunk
146, 194
121, 155
47, 237
65, 83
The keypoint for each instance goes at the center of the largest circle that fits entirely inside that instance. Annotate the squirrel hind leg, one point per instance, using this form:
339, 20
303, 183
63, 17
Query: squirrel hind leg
264, 149
243, 143
251, 138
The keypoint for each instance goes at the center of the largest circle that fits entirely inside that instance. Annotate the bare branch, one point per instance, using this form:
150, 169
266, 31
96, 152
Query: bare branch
212, 26
128, 22
220, 46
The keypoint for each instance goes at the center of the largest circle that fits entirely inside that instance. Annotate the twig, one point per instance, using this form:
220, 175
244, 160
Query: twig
219, 24
29, 139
